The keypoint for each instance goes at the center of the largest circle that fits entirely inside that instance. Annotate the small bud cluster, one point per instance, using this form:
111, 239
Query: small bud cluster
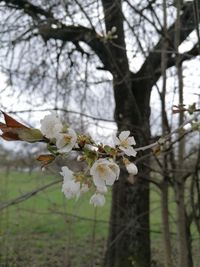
102, 170
110, 35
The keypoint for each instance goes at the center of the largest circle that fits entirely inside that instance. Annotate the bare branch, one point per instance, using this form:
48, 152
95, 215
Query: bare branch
153, 61
51, 28
27, 195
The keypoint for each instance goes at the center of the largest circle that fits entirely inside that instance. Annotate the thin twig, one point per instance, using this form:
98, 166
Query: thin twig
27, 195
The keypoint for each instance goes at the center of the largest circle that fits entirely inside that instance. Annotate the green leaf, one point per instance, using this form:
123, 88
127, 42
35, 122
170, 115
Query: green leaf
30, 135
110, 150
90, 156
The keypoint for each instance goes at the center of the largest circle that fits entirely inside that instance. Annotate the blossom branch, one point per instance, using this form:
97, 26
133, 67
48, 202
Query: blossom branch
102, 160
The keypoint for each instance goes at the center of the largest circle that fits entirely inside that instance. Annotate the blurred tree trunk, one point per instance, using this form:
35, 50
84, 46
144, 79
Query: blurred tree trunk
164, 186
183, 259
129, 242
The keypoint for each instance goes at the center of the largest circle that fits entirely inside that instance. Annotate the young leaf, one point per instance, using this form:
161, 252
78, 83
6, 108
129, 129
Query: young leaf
10, 122
46, 159
14, 130
10, 136
30, 135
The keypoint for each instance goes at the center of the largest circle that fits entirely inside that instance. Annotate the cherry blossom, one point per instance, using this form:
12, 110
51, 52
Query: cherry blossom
66, 141
67, 174
51, 125
102, 169
125, 143
71, 188
132, 168
102, 189
97, 200
104, 172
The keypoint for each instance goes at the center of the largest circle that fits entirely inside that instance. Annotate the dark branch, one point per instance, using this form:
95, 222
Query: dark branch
30, 9
152, 64
185, 56
76, 34
49, 28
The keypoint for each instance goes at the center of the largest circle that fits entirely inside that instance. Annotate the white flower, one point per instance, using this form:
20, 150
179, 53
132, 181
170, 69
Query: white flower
132, 168
66, 141
104, 172
51, 125
124, 142
67, 174
97, 200
102, 189
71, 188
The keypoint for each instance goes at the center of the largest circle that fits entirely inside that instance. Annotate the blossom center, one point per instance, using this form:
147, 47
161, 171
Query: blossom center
67, 138
125, 143
101, 169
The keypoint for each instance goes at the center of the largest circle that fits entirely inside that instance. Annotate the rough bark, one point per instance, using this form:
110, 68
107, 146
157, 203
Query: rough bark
129, 242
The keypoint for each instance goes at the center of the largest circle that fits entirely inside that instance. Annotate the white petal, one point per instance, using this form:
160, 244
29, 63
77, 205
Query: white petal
132, 168
93, 169
51, 125
72, 133
67, 173
111, 179
104, 172
115, 168
116, 140
97, 200
61, 143
130, 151
71, 189
102, 189
99, 182
124, 135
66, 149
109, 172
131, 141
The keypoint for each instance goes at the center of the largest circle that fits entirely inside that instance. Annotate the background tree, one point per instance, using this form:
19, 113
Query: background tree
50, 36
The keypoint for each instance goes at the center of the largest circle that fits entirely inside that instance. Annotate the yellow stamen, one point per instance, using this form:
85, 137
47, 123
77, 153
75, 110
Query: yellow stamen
101, 169
67, 138
124, 143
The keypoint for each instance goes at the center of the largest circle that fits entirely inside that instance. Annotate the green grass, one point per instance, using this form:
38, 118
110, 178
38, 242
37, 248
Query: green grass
45, 228
49, 211
47, 225
46, 212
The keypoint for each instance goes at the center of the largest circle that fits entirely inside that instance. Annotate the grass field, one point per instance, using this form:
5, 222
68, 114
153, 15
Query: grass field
48, 230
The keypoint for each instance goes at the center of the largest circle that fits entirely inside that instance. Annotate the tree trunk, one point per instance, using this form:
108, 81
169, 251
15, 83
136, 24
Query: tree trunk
166, 224
181, 225
129, 242
129, 238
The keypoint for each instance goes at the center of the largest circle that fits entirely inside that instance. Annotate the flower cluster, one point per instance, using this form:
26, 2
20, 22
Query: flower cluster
102, 160
52, 128
103, 170
71, 186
